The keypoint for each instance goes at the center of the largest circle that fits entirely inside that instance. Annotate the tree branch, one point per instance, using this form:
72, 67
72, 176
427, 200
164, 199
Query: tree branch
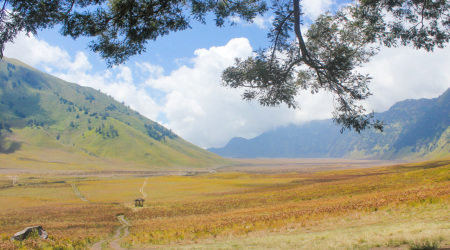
297, 30
71, 7
278, 36
304, 52
3, 10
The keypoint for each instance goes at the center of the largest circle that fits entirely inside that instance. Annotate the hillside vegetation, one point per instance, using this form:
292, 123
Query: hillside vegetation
415, 129
43, 114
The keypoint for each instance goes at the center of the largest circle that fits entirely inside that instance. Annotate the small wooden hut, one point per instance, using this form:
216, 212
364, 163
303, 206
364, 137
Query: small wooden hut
139, 202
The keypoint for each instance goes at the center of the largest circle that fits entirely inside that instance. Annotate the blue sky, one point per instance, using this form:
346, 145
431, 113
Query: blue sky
177, 81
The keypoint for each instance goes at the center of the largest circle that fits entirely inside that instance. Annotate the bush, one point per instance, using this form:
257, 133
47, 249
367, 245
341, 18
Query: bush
425, 245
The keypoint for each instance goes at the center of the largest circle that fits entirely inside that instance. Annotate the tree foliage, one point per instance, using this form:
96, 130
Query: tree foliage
326, 57
121, 27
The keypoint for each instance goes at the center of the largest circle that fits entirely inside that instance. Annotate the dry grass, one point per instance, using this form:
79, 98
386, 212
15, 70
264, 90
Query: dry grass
68, 225
302, 165
357, 208
306, 200
359, 230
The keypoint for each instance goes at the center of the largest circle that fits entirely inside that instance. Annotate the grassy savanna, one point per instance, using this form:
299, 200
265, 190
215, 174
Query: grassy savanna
401, 205
50, 201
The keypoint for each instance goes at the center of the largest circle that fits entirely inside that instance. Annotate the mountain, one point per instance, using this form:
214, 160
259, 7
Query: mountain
415, 129
42, 116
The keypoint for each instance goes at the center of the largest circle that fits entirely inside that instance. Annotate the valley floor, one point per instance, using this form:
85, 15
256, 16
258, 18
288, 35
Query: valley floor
258, 204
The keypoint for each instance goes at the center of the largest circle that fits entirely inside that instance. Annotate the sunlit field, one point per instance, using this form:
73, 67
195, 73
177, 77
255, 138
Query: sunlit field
247, 206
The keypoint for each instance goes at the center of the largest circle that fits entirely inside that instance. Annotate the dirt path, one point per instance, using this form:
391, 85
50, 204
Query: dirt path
144, 195
13, 179
79, 195
113, 242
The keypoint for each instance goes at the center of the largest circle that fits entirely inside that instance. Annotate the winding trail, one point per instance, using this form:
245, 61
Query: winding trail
79, 195
114, 241
13, 179
144, 195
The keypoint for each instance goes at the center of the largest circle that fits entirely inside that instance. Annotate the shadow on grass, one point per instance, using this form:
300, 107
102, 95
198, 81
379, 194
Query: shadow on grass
8, 147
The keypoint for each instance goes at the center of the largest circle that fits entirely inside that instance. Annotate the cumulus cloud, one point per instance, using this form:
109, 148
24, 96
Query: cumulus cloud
117, 82
154, 71
34, 52
202, 111
313, 8
405, 73
191, 101
262, 22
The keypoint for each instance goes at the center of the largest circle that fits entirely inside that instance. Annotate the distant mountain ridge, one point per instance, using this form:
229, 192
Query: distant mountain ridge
41, 112
415, 129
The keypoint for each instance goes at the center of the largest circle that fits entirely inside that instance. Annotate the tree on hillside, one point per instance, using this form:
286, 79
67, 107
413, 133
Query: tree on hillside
325, 57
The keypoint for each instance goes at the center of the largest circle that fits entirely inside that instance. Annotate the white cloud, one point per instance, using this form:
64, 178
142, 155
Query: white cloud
81, 63
405, 73
35, 52
313, 8
259, 21
117, 82
39, 53
199, 109
155, 71
125, 74
207, 114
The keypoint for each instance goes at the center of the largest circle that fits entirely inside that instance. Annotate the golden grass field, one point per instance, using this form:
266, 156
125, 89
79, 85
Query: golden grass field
257, 204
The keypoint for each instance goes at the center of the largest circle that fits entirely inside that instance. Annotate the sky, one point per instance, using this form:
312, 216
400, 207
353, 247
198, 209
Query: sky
177, 82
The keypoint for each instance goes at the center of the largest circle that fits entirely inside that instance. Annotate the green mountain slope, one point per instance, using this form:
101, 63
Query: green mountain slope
415, 129
39, 113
